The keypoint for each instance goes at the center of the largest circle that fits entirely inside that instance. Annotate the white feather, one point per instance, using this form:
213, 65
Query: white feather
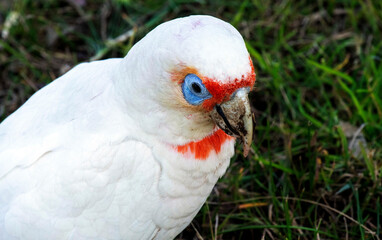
91, 156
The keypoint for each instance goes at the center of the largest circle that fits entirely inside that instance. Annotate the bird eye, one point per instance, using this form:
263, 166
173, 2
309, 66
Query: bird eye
194, 90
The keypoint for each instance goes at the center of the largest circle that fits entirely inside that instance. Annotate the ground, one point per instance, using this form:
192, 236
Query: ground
314, 171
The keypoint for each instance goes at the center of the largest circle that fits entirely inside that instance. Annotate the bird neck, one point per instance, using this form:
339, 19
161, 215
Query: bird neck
202, 149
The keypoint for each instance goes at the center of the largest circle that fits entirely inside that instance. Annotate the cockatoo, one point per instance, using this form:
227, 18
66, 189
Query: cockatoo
128, 148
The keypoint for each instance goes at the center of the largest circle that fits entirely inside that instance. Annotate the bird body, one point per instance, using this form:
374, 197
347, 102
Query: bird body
114, 149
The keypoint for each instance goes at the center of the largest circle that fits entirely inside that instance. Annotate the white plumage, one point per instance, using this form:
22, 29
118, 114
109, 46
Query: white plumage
104, 152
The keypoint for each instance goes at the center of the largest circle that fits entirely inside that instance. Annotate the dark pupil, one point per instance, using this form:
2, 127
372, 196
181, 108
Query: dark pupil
196, 88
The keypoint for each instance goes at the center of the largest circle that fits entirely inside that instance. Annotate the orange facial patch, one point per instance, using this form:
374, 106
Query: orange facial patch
181, 72
203, 148
220, 91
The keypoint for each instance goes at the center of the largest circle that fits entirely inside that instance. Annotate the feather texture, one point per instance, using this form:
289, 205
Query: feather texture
109, 150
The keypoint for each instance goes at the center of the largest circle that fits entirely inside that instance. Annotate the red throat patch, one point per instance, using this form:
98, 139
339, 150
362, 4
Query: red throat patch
203, 148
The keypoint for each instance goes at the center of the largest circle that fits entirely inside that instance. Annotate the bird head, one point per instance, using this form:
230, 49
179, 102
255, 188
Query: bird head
189, 78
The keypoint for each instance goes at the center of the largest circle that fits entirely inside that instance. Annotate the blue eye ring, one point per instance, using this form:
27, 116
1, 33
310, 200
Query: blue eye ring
194, 90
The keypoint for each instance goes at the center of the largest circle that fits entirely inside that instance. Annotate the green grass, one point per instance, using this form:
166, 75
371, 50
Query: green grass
319, 69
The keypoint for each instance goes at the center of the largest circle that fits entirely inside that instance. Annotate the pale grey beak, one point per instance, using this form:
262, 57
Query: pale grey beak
235, 118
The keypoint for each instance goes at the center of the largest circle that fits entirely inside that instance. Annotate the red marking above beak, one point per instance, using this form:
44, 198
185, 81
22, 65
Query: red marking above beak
221, 92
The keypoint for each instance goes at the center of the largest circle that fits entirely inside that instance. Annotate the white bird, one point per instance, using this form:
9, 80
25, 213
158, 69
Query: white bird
128, 148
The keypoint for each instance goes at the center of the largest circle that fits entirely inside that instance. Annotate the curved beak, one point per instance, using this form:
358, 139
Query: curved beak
235, 118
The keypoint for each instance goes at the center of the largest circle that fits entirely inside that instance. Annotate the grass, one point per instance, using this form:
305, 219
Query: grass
315, 169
